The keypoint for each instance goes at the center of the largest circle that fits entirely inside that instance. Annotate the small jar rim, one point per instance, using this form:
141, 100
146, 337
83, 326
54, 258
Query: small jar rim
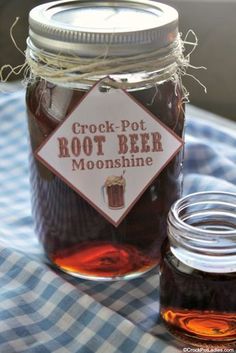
178, 206
210, 243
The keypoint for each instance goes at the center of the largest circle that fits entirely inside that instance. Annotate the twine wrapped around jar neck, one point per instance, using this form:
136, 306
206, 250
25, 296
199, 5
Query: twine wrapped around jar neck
156, 66
59, 68
168, 63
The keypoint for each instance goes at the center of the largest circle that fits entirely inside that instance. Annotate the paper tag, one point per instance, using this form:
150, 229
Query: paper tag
109, 150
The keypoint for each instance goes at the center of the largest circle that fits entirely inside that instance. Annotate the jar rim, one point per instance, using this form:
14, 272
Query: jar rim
88, 28
200, 197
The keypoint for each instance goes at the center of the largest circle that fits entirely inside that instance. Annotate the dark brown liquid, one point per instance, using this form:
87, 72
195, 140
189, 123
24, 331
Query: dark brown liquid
198, 304
103, 260
68, 226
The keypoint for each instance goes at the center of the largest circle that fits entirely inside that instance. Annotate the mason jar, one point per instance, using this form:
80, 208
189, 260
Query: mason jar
198, 273
106, 122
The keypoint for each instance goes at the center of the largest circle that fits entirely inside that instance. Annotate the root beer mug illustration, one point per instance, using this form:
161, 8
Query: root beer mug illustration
114, 188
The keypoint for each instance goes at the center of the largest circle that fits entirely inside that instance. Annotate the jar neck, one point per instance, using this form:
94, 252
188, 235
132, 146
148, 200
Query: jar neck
126, 72
202, 231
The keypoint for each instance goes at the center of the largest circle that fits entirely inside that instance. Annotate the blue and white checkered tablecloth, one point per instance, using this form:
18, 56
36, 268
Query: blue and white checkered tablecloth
42, 311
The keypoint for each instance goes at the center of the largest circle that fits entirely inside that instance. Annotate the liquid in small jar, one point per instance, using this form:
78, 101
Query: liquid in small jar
203, 304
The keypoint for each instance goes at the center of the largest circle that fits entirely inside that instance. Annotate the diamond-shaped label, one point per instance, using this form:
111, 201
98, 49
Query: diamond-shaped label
109, 150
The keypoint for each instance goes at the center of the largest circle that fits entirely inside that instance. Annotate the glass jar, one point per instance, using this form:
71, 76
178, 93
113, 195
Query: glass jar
198, 273
141, 39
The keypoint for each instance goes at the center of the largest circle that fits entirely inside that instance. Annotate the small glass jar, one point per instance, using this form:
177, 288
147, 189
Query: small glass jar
76, 237
198, 273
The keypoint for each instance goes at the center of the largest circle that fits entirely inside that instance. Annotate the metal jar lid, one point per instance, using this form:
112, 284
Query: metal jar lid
97, 28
